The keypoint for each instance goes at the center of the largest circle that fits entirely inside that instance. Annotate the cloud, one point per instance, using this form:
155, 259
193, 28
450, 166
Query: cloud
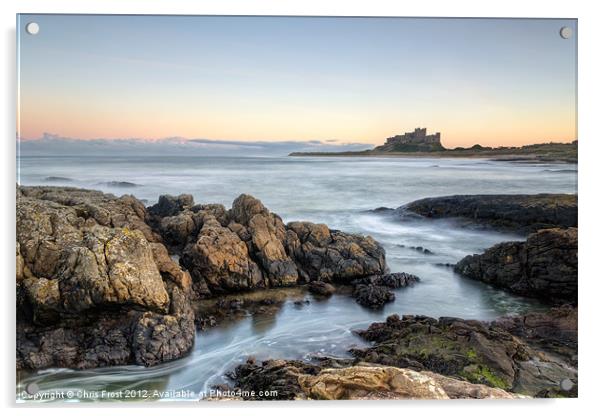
55, 145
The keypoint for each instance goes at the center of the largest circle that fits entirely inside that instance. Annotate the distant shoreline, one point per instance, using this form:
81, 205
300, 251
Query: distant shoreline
539, 153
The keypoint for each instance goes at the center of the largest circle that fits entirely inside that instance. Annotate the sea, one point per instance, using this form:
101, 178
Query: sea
337, 191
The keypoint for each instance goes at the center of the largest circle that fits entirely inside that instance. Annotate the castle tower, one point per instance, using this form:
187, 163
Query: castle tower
419, 133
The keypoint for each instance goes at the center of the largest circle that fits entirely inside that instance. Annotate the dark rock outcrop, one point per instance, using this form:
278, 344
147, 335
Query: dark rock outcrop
518, 213
95, 286
554, 331
274, 375
221, 259
390, 280
510, 354
248, 247
331, 255
373, 291
171, 205
372, 296
340, 380
543, 266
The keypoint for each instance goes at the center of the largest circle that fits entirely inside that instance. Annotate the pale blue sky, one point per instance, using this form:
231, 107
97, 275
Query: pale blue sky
492, 81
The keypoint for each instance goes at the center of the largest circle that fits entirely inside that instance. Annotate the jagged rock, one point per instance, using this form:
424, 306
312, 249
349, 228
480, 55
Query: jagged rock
521, 213
280, 376
268, 234
294, 380
86, 205
474, 351
221, 259
168, 205
91, 274
331, 255
110, 267
216, 210
321, 288
373, 296
44, 297
373, 291
169, 269
176, 230
390, 280
133, 337
159, 338
176, 219
248, 247
545, 266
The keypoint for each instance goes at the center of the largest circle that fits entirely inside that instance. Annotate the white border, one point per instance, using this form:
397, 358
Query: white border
589, 172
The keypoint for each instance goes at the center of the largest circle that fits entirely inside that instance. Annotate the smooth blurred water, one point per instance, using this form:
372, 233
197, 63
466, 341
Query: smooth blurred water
335, 191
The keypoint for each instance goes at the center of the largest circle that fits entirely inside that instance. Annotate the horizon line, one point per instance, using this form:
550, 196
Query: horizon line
49, 136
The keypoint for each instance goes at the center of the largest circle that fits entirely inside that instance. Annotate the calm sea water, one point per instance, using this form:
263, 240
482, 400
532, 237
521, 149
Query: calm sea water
335, 191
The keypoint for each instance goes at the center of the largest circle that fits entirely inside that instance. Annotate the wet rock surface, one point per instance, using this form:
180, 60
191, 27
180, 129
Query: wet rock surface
511, 354
247, 247
374, 291
554, 331
390, 280
340, 380
373, 296
518, 213
543, 266
280, 376
95, 287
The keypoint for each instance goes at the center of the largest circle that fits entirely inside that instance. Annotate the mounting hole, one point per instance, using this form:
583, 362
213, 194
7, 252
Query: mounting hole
566, 384
32, 28
32, 388
566, 32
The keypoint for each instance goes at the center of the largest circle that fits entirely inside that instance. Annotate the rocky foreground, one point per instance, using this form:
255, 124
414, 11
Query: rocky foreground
533, 355
103, 281
298, 380
95, 287
425, 358
97, 284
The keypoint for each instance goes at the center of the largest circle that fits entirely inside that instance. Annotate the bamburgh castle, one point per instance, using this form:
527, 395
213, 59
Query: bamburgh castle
417, 140
419, 136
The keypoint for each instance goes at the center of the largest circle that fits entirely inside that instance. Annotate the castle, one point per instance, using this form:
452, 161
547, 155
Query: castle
418, 136
416, 141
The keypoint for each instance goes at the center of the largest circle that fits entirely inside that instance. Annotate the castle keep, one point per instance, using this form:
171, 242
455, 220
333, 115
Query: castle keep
418, 136
416, 141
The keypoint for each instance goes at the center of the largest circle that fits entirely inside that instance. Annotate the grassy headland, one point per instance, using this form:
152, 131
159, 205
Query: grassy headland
543, 152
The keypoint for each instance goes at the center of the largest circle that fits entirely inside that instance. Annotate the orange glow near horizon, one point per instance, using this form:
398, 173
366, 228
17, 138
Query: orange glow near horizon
86, 123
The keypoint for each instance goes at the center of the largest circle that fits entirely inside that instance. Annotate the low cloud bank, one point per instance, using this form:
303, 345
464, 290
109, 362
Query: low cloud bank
53, 145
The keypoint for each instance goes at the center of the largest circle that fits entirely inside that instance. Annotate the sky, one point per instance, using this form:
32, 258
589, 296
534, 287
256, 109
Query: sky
496, 82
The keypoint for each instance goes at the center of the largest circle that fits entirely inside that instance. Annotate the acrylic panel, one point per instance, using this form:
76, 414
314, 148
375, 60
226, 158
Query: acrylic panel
280, 208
